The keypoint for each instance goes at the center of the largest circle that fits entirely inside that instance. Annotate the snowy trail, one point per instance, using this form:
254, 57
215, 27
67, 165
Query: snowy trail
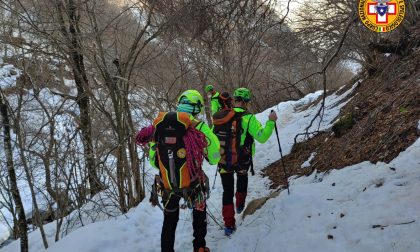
299, 222
347, 205
289, 123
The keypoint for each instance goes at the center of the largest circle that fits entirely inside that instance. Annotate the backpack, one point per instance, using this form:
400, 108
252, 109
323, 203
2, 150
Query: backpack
224, 100
170, 129
228, 129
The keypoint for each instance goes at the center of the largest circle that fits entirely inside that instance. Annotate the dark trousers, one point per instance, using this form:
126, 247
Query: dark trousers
170, 221
228, 183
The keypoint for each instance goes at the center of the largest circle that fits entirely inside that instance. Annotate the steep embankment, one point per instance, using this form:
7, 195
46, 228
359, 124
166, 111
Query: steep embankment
378, 122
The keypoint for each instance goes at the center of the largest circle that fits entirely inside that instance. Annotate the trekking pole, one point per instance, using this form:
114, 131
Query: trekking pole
281, 155
214, 218
214, 182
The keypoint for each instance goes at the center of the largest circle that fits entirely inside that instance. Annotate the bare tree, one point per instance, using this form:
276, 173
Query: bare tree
22, 226
29, 176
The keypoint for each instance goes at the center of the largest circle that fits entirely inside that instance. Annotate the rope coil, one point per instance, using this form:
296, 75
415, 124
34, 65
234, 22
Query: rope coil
195, 143
144, 136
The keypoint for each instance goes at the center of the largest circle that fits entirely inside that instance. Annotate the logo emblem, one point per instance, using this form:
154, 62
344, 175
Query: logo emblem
170, 140
181, 153
381, 15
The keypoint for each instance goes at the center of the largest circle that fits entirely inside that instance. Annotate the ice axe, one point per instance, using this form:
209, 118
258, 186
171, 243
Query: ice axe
281, 155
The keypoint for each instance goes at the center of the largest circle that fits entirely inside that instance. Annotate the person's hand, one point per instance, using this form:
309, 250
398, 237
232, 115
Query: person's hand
272, 116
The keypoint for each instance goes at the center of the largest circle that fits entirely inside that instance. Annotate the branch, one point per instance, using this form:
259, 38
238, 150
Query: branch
383, 226
320, 112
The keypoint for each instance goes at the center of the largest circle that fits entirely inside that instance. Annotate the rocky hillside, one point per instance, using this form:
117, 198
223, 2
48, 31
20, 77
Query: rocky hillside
379, 121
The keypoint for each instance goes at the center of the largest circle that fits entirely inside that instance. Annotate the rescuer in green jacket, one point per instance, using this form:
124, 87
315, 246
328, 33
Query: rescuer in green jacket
251, 129
172, 147
215, 100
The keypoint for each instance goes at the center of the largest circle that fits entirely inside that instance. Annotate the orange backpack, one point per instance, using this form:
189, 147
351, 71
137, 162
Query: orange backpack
170, 128
228, 129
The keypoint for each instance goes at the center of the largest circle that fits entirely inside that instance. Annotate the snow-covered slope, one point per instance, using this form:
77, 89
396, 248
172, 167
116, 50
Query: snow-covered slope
364, 207
33, 122
335, 204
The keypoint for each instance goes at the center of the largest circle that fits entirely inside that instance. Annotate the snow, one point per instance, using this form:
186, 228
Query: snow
72, 85
307, 163
346, 204
32, 120
258, 186
8, 75
69, 83
342, 203
6, 80
4, 233
292, 121
418, 125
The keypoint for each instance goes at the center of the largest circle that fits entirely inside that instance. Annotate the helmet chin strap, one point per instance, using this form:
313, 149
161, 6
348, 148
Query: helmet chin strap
196, 107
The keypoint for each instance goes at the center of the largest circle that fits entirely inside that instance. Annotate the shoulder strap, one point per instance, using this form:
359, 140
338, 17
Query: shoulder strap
224, 116
181, 117
215, 97
159, 118
197, 124
249, 140
184, 118
249, 121
239, 115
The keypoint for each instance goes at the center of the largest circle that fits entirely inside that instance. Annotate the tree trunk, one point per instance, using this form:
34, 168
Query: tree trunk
47, 163
120, 181
81, 80
29, 177
22, 225
135, 163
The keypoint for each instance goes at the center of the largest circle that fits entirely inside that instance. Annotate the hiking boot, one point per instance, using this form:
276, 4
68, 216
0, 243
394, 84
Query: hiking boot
239, 209
202, 249
229, 230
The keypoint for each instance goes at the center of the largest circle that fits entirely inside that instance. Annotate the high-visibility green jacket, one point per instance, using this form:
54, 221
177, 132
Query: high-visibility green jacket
215, 104
251, 124
212, 151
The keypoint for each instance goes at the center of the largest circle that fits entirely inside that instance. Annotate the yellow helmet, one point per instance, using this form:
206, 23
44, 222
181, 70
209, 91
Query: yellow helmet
192, 97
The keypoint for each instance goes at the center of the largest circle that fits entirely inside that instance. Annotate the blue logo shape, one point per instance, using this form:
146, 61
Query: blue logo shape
382, 9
